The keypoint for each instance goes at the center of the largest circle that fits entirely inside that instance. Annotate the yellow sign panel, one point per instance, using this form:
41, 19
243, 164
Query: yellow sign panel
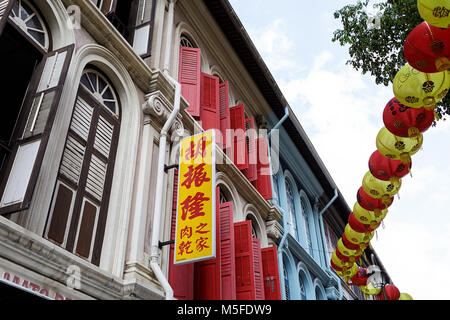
195, 238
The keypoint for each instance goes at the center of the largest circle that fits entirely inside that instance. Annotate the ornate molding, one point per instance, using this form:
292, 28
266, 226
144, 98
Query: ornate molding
274, 230
28, 250
158, 107
332, 293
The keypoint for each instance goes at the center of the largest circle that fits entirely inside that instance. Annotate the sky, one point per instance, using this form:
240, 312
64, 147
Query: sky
341, 111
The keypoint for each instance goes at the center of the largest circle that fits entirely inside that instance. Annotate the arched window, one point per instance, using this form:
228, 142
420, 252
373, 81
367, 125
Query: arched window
223, 197
306, 223
27, 18
302, 281
255, 229
319, 294
80, 201
101, 90
291, 208
186, 42
275, 191
286, 281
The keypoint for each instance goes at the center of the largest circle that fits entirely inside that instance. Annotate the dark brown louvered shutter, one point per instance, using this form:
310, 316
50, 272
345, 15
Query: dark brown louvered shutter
85, 172
5, 10
33, 130
141, 27
108, 6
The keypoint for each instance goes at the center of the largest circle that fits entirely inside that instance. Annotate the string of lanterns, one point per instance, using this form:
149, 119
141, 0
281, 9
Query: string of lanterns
419, 85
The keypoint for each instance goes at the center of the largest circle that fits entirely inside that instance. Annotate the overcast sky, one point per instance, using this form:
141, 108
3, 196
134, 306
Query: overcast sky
341, 111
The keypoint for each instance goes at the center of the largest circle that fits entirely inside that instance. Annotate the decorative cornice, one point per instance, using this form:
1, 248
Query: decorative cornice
158, 107
104, 33
25, 248
274, 230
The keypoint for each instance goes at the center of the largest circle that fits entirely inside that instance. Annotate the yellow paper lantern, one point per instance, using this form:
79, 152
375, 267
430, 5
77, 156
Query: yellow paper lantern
417, 89
405, 296
350, 254
399, 148
435, 12
348, 273
380, 189
357, 237
372, 218
370, 290
338, 262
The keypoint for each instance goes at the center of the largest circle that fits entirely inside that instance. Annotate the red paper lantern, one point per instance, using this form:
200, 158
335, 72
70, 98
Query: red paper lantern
346, 258
360, 279
349, 244
334, 266
391, 291
406, 122
387, 169
371, 204
427, 48
358, 226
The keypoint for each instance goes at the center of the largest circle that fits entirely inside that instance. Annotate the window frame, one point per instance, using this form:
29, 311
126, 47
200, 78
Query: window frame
305, 205
292, 213
133, 26
81, 194
47, 33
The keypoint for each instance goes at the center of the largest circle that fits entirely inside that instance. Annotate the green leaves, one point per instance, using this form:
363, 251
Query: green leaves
377, 49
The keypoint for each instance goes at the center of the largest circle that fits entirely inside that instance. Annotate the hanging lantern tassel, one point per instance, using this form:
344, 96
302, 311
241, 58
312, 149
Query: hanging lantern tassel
405, 158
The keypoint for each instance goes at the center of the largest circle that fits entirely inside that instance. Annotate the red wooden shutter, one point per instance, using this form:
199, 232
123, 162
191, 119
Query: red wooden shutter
245, 279
237, 123
181, 277
209, 104
207, 273
271, 278
227, 254
189, 78
251, 172
264, 182
224, 113
257, 267
5, 10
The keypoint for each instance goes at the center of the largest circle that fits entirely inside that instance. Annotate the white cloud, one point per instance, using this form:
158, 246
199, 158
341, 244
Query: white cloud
338, 109
273, 44
341, 110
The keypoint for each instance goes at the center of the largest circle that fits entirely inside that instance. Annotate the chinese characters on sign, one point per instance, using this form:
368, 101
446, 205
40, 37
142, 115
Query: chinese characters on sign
195, 229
